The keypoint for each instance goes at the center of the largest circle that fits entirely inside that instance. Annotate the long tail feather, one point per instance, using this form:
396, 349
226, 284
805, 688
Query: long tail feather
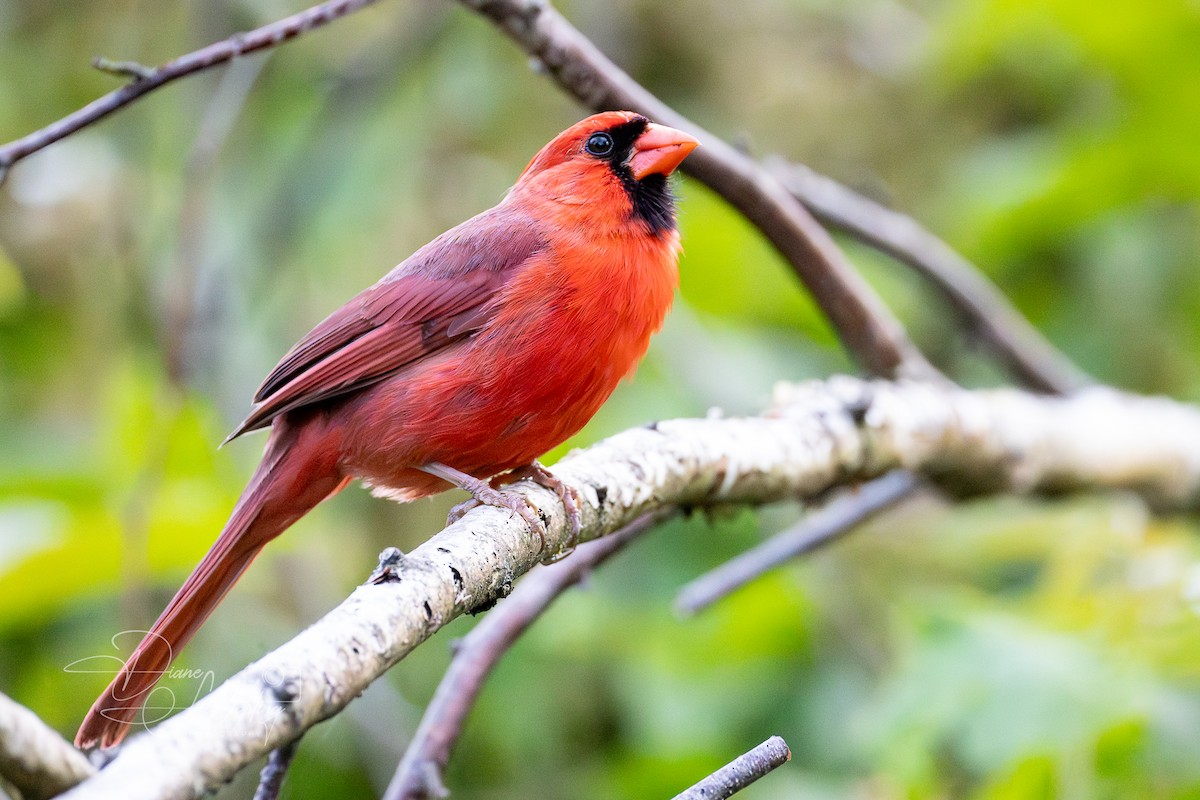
294, 475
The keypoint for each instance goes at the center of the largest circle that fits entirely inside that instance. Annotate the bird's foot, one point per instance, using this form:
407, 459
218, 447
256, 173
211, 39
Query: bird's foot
566, 494
482, 493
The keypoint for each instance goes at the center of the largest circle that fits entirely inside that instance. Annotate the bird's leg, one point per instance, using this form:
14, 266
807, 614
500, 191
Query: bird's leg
543, 477
482, 492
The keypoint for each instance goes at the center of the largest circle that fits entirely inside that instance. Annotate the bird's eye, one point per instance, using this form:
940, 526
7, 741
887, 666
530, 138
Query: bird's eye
599, 145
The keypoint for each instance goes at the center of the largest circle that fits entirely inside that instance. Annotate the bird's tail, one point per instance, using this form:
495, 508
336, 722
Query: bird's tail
297, 472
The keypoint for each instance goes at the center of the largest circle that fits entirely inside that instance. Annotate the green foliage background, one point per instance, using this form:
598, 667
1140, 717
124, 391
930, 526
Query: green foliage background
153, 268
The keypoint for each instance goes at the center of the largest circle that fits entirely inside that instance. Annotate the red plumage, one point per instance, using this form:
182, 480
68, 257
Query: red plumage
481, 351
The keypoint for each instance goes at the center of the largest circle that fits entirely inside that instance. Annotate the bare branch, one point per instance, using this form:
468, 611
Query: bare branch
866, 327
741, 772
35, 759
146, 80
419, 775
1022, 350
868, 330
275, 770
818, 529
820, 435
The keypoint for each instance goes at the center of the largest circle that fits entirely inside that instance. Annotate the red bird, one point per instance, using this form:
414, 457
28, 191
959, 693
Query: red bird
481, 351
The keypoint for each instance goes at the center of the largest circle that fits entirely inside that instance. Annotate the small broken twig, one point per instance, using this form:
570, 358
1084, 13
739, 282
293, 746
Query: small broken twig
125, 69
741, 772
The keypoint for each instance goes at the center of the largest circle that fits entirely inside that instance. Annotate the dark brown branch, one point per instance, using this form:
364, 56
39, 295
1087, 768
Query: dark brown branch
740, 773
1021, 349
816, 530
270, 781
419, 775
146, 80
866, 327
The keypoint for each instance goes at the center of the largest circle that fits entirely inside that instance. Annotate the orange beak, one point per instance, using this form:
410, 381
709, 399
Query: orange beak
660, 150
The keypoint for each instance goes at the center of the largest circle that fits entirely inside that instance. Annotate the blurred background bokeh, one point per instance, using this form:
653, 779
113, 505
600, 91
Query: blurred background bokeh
154, 267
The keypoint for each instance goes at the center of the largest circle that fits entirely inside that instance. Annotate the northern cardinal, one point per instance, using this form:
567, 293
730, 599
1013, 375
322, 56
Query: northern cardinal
481, 351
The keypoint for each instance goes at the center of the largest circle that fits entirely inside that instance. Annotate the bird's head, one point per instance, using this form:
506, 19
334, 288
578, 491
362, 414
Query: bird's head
617, 161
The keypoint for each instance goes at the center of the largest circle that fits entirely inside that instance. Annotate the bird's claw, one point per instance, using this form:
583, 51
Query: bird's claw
459, 510
517, 504
486, 493
566, 493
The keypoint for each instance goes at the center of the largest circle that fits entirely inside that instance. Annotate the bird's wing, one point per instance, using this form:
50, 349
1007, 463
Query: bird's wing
440, 295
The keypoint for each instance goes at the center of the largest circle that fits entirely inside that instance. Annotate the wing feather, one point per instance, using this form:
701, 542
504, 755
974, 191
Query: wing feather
440, 295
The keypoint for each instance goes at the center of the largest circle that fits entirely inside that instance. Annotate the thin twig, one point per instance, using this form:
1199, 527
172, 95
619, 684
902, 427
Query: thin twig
866, 327
1027, 355
270, 781
419, 775
146, 80
741, 772
816, 530
33, 757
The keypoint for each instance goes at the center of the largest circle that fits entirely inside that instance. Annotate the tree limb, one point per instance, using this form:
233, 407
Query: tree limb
146, 79
741, 772
419, 775
1022, 350
34, 758
818, 529
820, 435
866, 327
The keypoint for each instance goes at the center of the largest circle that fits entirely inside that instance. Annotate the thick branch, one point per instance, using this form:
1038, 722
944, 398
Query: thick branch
818, 529
821, 435
34, 758
865, 325
146, 80
741, 772
1019, 346
419, 775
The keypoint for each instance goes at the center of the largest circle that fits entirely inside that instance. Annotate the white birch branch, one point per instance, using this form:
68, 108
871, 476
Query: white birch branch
820, 435
33, 757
